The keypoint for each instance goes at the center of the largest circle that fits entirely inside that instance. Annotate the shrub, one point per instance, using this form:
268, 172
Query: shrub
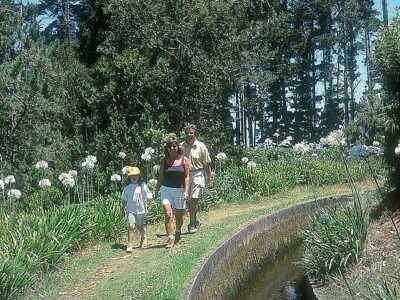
334, 241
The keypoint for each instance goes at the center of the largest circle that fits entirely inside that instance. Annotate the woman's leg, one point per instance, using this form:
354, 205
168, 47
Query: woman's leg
169, 226
179, 213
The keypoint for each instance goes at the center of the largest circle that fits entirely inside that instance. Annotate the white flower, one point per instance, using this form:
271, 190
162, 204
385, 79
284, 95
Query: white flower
125, 170
359, 151
115, 177
301, 148
245, 160
251, 165
221, 156
314, 155
9, 179
152, 183
91, 158
156, 168
2, 184
122, 155
44, 183
276, 134
146, 156
376, 144
67, 180
268, 142
14, 194
42, 164
73, 173
289, 138
397, 150
149, 151
334, 138
87, 164
284, 143
375, 150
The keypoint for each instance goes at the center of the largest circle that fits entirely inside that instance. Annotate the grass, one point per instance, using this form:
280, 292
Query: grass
104, 271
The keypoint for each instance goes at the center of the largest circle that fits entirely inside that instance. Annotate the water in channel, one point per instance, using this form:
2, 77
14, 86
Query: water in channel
281, 279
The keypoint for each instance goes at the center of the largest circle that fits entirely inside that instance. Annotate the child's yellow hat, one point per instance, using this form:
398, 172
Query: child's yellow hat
133, 171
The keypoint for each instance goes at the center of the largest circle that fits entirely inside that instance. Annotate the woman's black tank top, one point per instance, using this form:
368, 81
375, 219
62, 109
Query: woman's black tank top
174, 176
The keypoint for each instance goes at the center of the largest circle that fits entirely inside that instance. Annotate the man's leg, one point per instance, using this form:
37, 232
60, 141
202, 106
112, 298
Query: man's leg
192, 206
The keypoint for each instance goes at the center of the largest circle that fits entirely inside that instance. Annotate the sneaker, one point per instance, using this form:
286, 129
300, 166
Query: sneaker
170, 243
143, 243
192, 228
129, 248
177, 237
198, 224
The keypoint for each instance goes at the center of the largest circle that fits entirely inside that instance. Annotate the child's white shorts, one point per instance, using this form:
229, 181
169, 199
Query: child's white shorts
172, 196
137, 219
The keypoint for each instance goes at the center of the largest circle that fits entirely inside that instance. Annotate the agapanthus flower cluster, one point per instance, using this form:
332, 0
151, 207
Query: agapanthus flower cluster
44, 183
375, 150
359, 151
276, 134
125, 170
42, 164
9, 179
89, 162
2, 184
152, 184
115, 177
245, 160
14, 194
122, 155
268, 143
376, 144
397, 150
156, 168
148, 152
334, 138
73, 173
302, 148
251, 164
285, 143
67, 180
221, 157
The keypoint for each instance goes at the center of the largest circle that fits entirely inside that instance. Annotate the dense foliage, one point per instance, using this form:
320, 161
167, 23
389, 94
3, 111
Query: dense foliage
99, 76
387, 59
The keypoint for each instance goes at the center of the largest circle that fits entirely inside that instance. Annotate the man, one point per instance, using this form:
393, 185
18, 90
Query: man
200, 167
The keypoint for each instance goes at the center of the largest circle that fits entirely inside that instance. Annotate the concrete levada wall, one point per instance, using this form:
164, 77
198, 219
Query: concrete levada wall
236, 259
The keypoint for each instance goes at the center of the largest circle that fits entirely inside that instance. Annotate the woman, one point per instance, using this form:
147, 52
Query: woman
173, 185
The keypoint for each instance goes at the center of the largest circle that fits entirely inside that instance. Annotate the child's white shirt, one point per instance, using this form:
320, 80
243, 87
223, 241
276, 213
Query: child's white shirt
135, 196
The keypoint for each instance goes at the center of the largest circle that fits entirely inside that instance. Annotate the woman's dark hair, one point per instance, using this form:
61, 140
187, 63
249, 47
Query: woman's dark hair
172, 141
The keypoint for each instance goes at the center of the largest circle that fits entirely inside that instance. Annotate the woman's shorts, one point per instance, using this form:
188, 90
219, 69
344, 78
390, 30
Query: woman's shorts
137, 219
172, 196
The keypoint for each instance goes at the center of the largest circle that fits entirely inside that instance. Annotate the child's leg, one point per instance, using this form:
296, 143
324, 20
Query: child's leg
131, 227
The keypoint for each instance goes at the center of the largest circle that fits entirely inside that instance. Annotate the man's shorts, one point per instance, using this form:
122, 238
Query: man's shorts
172, 196
197, 183
137, 219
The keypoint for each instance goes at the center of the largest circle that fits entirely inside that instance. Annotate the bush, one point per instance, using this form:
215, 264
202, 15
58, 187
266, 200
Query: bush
334, 241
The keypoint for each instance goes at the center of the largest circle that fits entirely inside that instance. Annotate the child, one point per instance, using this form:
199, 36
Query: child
134, 201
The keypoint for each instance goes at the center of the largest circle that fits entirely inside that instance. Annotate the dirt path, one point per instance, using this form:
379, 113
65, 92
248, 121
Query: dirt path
105, 271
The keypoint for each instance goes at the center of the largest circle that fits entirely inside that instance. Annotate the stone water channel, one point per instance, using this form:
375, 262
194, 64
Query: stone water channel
261, 260
281, 279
